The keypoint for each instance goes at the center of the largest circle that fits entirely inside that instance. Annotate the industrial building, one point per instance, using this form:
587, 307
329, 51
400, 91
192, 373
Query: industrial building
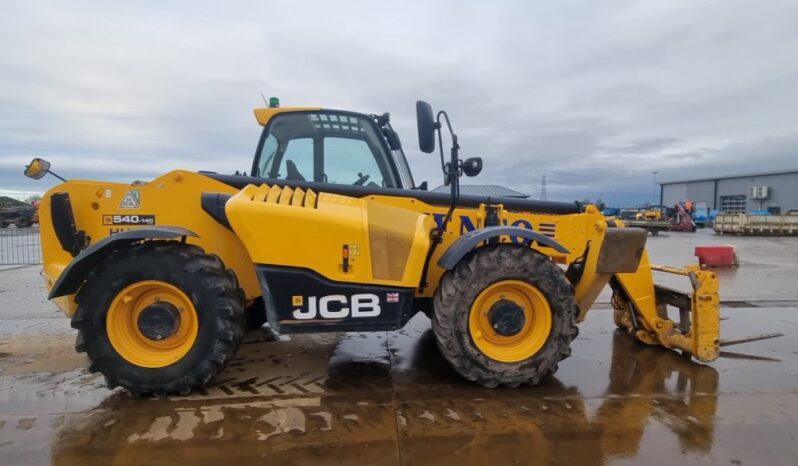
774, 192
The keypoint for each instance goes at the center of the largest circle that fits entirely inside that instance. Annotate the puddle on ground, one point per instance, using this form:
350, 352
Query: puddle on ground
391, 398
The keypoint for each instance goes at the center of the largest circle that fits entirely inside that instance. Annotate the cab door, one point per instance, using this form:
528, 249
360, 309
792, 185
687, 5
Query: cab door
326, 147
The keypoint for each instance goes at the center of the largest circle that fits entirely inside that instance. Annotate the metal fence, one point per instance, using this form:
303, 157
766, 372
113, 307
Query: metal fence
20, 246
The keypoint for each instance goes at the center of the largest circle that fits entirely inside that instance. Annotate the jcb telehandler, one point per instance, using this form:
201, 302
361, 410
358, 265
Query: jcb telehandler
329, 233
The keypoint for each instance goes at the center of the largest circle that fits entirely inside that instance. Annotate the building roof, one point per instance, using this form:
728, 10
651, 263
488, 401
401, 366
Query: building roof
6, 202
493, 190
727, 177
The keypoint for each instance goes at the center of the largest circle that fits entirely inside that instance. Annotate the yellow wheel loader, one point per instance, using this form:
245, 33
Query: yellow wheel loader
330, 233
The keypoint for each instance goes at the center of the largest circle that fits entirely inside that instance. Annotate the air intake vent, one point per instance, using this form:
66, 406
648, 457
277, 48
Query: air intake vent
285, 196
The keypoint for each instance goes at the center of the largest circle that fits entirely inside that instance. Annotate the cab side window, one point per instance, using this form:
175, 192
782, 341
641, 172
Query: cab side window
288, 160
298, 160
350, 161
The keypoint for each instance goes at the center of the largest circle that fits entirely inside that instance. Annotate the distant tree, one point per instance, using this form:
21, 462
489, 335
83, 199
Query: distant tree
32, 199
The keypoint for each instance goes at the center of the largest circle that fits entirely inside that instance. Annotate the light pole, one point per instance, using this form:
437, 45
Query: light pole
655, 187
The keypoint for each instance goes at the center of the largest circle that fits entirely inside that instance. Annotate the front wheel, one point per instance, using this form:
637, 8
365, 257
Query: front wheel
159, 317
505, 315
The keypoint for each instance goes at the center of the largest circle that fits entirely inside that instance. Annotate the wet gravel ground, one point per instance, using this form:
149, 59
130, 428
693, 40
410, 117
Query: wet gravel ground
390, 398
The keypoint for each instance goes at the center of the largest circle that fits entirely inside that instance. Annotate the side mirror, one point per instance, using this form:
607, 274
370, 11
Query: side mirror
472, 166
426, 127
37, 168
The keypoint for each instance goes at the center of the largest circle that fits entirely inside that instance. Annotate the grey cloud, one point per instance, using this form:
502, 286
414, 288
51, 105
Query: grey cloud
596, 96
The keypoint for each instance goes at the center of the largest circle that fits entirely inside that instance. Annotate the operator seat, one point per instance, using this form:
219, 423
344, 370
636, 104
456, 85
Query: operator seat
292, 173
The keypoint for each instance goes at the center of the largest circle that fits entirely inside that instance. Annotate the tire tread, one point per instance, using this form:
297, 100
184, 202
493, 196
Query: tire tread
455, 295
219, 284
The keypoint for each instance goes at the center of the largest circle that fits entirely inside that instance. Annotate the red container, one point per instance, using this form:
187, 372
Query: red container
715, 256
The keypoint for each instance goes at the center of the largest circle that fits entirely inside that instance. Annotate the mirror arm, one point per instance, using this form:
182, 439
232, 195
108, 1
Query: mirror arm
60, 178
451, 170
440, 142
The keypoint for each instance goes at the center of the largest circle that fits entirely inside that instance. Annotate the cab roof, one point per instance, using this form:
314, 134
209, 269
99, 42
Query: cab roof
264, 114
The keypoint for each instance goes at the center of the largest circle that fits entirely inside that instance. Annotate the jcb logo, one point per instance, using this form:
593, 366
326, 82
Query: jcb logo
337, 306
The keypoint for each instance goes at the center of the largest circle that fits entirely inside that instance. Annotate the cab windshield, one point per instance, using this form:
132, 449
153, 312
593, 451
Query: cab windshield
325, 147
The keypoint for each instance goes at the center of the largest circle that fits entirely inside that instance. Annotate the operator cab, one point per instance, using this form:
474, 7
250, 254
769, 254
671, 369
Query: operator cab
331, 146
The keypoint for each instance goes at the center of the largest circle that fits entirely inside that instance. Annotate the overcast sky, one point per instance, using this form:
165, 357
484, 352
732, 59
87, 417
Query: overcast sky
595, 95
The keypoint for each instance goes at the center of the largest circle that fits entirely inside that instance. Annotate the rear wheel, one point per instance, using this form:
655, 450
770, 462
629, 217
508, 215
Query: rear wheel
22, 222
505, 316
159, 317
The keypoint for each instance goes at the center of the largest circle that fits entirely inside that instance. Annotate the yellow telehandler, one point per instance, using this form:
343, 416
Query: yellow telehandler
330, 233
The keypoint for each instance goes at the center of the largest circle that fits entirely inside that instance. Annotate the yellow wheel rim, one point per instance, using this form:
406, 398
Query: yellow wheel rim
122, 324
531, 336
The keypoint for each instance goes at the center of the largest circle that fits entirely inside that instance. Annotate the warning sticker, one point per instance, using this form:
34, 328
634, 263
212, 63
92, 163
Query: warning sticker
132, 200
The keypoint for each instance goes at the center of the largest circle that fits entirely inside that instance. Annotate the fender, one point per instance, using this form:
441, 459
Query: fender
73, 275
468, 241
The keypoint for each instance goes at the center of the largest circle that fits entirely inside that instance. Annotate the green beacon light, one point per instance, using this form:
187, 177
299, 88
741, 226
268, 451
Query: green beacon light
274, 102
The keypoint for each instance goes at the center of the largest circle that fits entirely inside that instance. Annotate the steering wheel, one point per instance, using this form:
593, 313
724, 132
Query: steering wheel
363, 178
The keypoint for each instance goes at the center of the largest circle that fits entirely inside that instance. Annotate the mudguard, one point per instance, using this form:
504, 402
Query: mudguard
467, 242
73, 275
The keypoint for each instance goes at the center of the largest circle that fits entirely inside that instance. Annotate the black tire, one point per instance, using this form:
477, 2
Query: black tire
213, 290
22, 222
480, 269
